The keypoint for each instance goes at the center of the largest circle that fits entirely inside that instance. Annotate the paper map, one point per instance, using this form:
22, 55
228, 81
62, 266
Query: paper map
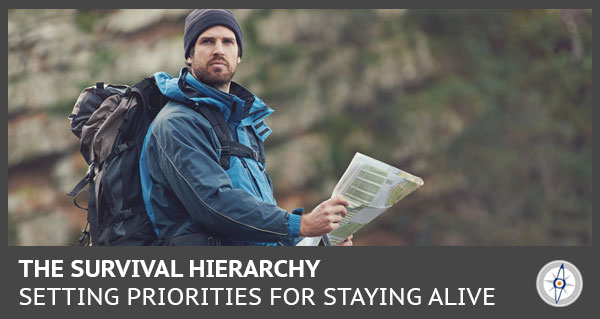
371, 187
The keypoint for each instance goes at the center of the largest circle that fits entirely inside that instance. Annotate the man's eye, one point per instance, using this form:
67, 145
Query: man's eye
206, 41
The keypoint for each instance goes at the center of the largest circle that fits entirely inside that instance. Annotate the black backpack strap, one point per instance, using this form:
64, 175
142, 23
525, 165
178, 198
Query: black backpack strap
259, 144
146, 82
82, 183
151, 96
221, 129
123, 215
241, 150
216, 121
80, 186
228, 146
142, 87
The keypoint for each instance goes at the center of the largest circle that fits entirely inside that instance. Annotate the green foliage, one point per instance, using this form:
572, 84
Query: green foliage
86, 19
500, 127
61, 108
526, 151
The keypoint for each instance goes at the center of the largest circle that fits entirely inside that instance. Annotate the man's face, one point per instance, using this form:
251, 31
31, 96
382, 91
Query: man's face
214, 58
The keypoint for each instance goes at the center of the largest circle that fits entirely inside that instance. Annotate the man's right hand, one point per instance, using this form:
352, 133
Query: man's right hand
325, 218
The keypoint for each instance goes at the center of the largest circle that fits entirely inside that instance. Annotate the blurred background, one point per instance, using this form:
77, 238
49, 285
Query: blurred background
493, 109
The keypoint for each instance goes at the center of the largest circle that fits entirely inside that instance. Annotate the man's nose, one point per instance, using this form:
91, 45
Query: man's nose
218, 49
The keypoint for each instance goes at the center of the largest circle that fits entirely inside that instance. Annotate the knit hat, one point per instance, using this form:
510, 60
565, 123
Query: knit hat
201, 19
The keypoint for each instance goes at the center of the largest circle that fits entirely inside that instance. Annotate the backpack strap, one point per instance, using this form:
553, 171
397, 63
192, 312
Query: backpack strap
259, 144
228, 146
80, 186
89, 175
216, 121
241, 150
221, 129
150, 94
123, 215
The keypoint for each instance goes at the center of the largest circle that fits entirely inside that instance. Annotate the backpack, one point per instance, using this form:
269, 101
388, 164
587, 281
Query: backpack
111, 122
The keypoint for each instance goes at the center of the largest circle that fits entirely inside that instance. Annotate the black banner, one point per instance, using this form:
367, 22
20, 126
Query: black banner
469, 282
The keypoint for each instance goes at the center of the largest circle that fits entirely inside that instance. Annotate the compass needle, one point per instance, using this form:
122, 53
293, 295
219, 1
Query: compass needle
561, 270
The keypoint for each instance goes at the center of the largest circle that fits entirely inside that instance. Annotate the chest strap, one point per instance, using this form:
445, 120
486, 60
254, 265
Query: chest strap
228, 146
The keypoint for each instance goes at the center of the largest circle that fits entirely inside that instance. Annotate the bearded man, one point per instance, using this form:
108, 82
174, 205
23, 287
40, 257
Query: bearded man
202, 164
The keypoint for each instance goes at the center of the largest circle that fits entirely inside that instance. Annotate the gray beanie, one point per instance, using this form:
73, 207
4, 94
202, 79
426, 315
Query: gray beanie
201, 19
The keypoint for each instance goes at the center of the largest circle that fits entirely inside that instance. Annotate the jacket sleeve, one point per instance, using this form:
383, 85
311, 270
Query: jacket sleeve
185, 149
292, 241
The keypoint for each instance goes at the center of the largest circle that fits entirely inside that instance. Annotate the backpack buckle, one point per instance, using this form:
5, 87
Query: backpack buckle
123, 147
126, 214
127, 92
84, 240
91, 173
225, 150
224, 162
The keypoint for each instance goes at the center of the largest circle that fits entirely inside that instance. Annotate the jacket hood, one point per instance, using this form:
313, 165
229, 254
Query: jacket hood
240, 106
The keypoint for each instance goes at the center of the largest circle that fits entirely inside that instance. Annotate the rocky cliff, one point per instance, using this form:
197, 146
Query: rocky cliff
398, 85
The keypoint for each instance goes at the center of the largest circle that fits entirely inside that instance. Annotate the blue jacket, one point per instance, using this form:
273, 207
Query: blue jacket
186, 190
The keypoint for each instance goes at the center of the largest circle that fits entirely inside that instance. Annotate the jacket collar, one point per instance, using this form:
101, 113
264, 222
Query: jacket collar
238, 106
230, 105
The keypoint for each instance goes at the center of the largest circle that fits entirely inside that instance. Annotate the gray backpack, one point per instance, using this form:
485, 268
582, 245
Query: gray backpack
111, 122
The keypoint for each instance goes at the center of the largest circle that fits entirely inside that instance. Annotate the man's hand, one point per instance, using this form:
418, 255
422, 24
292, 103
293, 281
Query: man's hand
325, 218
347, 242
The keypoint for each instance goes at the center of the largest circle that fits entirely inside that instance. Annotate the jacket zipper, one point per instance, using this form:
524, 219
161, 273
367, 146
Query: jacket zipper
266, 179
252, 181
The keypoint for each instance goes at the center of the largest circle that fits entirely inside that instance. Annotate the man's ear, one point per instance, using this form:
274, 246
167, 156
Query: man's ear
239, 59
189, 60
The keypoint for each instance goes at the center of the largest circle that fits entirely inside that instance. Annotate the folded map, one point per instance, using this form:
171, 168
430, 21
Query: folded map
371, 187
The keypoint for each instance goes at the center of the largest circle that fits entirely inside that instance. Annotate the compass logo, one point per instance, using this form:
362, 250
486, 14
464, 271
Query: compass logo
559, 283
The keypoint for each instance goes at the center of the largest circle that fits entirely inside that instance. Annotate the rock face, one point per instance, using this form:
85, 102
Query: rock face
405, 87
54, 54
47, 57
38, 134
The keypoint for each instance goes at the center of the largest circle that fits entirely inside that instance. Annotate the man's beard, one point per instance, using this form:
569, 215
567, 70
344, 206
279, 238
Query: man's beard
214, 79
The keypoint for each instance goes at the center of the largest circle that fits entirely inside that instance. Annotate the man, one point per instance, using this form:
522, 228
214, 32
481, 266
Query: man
195, 192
